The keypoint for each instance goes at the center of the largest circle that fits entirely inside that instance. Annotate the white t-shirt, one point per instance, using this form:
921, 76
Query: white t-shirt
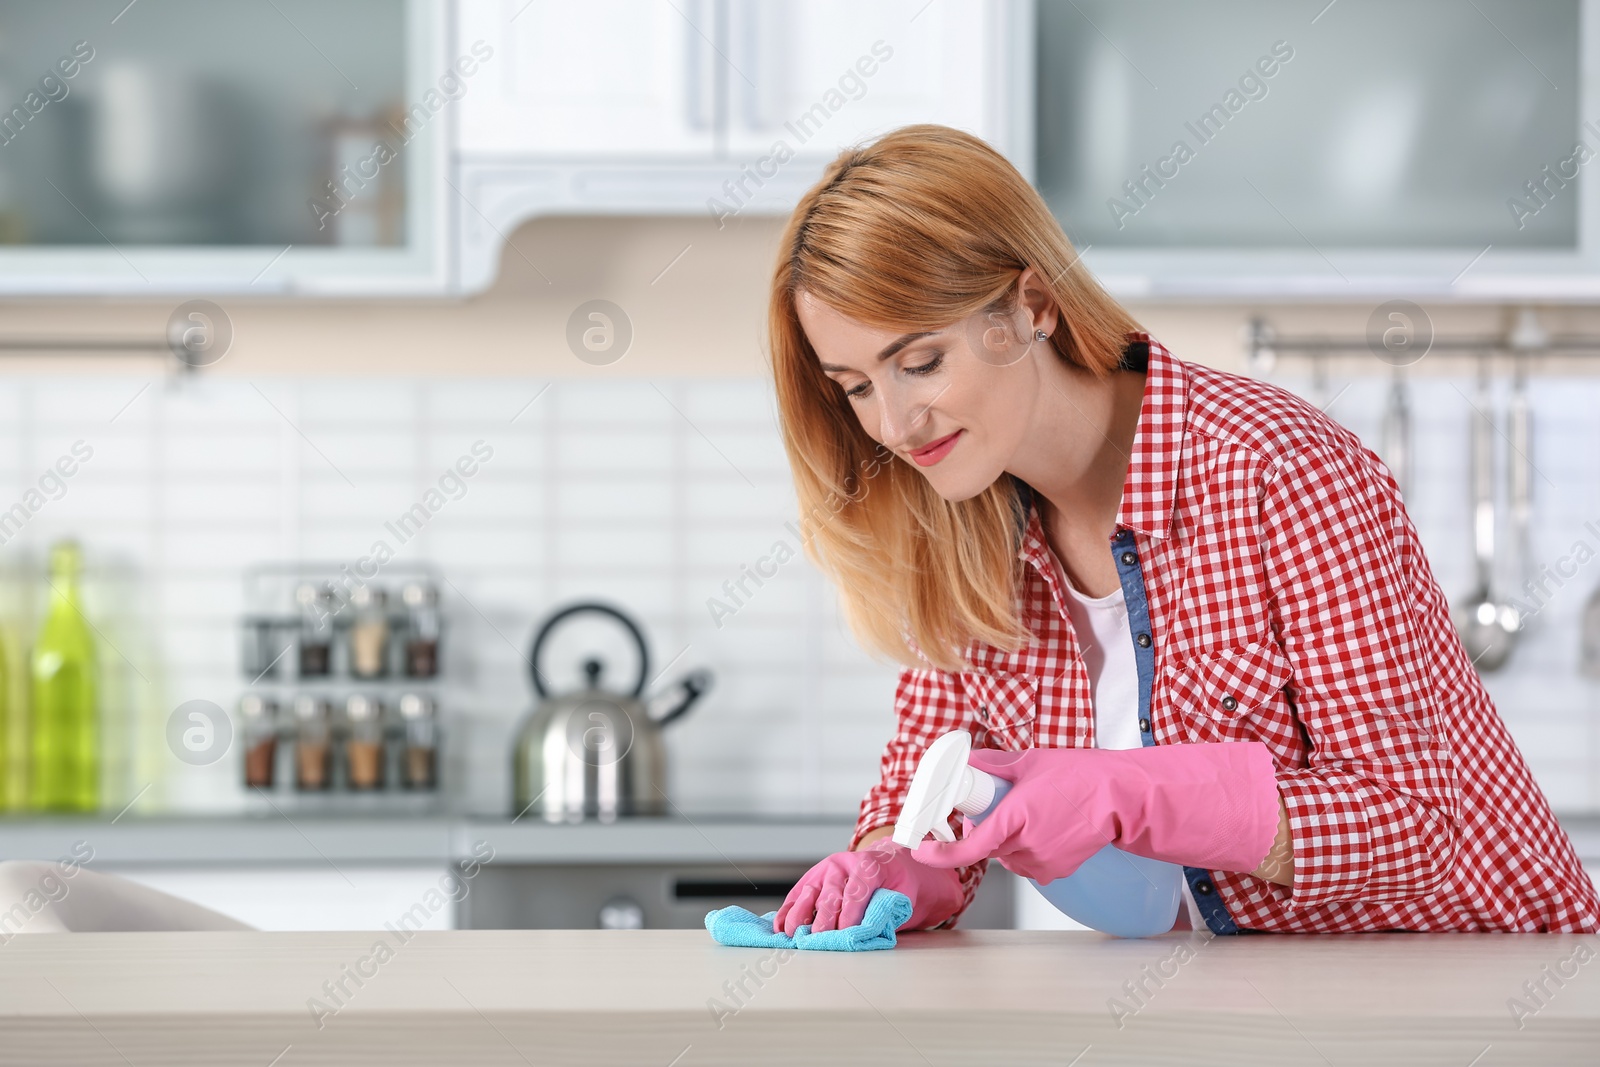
1106, 640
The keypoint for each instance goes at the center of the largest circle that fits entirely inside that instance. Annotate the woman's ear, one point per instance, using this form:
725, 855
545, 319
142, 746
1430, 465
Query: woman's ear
1036, 302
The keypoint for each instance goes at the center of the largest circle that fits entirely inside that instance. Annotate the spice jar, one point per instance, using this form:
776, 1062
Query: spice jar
258, 658
316, 630
422, 629
363, 748
369, 632
259, 717
421, 741
313, 743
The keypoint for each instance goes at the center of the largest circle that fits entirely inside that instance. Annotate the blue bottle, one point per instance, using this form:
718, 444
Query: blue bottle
1113, 891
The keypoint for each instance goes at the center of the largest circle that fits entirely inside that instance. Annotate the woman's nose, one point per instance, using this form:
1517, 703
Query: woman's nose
901, 414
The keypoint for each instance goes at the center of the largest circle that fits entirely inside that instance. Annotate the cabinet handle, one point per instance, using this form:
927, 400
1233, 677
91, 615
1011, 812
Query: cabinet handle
751, 33
700, 73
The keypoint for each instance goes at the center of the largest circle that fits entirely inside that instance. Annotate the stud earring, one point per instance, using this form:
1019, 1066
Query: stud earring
1041, 335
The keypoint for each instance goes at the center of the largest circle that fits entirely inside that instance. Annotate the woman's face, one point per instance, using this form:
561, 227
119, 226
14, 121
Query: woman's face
955, 403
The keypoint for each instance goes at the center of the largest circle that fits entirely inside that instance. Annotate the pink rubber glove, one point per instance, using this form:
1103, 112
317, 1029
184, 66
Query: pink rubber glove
833, 894
1211, 805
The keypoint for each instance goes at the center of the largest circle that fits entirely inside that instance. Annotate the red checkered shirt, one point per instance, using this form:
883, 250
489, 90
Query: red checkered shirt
1282, 571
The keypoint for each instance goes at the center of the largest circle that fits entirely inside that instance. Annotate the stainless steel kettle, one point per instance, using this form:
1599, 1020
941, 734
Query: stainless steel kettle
596, 753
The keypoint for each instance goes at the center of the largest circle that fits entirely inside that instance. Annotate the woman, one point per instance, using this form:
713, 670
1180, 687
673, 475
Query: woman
1183, 611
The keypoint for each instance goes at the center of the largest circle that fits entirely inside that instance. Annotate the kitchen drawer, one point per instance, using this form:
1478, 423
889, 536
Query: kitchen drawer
352, 897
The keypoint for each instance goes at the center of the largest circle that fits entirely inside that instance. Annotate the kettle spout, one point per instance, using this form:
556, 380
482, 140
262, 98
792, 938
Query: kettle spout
693, 686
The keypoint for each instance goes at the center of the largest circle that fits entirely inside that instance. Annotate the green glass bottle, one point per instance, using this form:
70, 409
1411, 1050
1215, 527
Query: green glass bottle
66, 728
13, 734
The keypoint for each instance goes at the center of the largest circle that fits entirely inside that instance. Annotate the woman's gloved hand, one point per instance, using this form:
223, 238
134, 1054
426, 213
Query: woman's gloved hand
833, 894
1211, 805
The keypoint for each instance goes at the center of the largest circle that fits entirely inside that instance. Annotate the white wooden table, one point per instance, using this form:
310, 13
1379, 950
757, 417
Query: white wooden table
673, 999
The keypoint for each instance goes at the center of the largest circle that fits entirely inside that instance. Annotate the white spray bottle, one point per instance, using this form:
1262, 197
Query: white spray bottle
1113, 891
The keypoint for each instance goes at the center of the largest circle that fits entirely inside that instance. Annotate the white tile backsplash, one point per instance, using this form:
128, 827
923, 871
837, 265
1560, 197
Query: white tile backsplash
617, 449
651, 495
621, 404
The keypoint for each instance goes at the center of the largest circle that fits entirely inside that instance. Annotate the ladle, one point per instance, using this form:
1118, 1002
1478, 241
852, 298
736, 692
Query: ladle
1487, 626
1396, 434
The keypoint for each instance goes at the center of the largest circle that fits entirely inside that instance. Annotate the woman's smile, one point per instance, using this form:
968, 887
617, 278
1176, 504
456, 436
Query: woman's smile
933, 452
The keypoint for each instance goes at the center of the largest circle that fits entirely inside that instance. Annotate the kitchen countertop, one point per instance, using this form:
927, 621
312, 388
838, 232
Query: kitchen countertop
664, 997
299, 838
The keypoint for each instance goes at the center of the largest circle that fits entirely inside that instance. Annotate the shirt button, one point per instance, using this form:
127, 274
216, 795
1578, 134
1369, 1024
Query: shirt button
1144, 726
1203, 887
1144, 640
983, 712
1228, 703
1129, 558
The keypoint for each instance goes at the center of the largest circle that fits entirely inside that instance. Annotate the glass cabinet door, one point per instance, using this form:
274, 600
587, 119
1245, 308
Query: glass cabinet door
1255, 124
183, 144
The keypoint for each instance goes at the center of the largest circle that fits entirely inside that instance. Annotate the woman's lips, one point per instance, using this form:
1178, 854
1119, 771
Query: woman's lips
929, 454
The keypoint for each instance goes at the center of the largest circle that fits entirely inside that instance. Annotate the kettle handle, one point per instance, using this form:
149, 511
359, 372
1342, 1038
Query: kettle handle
602, 609
694, 686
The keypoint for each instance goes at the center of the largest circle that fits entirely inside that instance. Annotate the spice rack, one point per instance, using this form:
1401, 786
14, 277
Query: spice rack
341, 711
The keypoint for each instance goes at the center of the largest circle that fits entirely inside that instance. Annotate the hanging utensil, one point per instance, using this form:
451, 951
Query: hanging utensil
1520, 475
1589, 637
1488, 628
1396, 433
1319, 380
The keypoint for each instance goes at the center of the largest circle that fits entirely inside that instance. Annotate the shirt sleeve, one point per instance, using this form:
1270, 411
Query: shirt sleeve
928, 704
1375, 814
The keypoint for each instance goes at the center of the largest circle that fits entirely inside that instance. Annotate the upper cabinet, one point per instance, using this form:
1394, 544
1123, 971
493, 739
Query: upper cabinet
386, 147
1246, 149
185, 147
722, 107
602, 79
1240, 149
820, 74
707, 79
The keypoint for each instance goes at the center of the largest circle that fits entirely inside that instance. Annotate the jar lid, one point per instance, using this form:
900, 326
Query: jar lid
310, 707
419, 594
255, 706
361, 708
416, 706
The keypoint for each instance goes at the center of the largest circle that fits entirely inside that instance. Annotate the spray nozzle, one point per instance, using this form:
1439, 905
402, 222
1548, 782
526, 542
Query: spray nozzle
943, 783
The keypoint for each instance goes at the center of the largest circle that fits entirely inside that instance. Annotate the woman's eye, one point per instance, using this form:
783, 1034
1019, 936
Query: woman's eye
859, 391
928, 367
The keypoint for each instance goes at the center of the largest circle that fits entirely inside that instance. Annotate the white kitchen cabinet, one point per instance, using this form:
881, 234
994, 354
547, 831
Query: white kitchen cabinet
685, 79
352, 897
611, 79
822, 74
678, 107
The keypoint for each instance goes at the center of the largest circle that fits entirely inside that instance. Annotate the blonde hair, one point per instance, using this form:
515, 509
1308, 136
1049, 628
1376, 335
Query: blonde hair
916, 231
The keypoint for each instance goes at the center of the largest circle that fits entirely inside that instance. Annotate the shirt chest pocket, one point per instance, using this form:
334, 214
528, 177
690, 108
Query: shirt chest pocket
1230, 684
1003, 704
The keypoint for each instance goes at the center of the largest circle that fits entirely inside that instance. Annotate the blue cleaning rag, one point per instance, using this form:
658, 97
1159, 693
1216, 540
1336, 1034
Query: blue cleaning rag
886, 911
